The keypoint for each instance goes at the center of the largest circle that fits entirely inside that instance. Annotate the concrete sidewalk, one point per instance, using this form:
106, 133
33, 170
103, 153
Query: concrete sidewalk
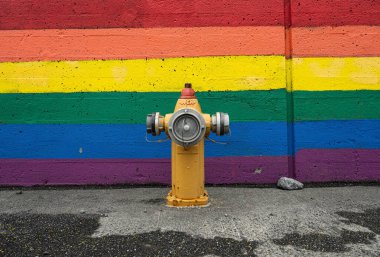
331, 221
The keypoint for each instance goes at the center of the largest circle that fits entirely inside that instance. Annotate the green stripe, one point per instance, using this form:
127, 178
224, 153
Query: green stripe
127, 107
132, 107
336, 105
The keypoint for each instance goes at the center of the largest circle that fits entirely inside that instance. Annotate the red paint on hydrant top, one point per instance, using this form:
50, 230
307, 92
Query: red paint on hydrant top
187, 92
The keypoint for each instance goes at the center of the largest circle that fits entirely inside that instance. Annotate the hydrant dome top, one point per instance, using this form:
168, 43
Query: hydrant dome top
188, 92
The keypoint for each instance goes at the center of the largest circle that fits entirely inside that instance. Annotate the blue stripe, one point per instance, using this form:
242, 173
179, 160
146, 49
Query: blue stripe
128, 140
334, 134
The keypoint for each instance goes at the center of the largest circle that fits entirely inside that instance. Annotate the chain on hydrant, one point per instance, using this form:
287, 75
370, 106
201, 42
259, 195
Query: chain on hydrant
188, 127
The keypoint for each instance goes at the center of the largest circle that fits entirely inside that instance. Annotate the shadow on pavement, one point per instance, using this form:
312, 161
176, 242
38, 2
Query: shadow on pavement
70, 235
326, 243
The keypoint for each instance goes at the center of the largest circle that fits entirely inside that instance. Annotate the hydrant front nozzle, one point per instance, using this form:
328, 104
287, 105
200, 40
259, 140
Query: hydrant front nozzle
187, 127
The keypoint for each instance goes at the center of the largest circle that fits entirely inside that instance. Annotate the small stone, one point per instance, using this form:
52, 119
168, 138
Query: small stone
19, 193
46, 253
82, 211
289, 184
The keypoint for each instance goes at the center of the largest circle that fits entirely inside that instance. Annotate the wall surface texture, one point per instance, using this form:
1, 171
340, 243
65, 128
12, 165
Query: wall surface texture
299, 78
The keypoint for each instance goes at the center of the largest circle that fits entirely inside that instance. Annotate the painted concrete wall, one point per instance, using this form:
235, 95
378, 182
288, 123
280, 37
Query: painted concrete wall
300, 80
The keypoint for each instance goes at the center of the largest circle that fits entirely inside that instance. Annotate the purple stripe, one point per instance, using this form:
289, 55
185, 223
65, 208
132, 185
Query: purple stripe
315, 165
312, 165
219, 170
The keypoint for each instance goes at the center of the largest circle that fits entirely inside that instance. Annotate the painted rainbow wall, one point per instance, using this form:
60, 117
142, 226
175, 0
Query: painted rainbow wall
299, 78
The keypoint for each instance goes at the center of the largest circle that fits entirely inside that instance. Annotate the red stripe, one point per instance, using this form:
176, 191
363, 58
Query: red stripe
38, 14
335, 12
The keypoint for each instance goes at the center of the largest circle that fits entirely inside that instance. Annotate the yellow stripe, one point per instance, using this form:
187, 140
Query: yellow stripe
206, 73
160, 75
352, 73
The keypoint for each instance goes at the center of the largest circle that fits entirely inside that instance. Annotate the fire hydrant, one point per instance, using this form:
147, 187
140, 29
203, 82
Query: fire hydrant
187, 127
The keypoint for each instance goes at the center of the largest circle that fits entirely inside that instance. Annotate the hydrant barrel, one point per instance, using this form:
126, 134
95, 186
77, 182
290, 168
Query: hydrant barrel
188, 127
187, 175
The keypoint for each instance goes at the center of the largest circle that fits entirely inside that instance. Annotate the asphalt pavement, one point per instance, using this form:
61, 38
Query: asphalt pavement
240, 221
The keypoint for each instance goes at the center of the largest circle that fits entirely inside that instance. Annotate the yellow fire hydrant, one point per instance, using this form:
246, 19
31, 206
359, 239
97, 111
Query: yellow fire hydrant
187, 127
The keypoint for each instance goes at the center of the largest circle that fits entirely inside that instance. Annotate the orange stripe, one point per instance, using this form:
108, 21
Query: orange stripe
359, 41
89, 44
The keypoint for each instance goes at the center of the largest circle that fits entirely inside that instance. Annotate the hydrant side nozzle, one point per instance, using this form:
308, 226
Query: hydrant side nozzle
155, 124
220, 123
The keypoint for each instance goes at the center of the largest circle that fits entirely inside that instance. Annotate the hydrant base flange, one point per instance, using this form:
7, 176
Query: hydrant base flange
174, 201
